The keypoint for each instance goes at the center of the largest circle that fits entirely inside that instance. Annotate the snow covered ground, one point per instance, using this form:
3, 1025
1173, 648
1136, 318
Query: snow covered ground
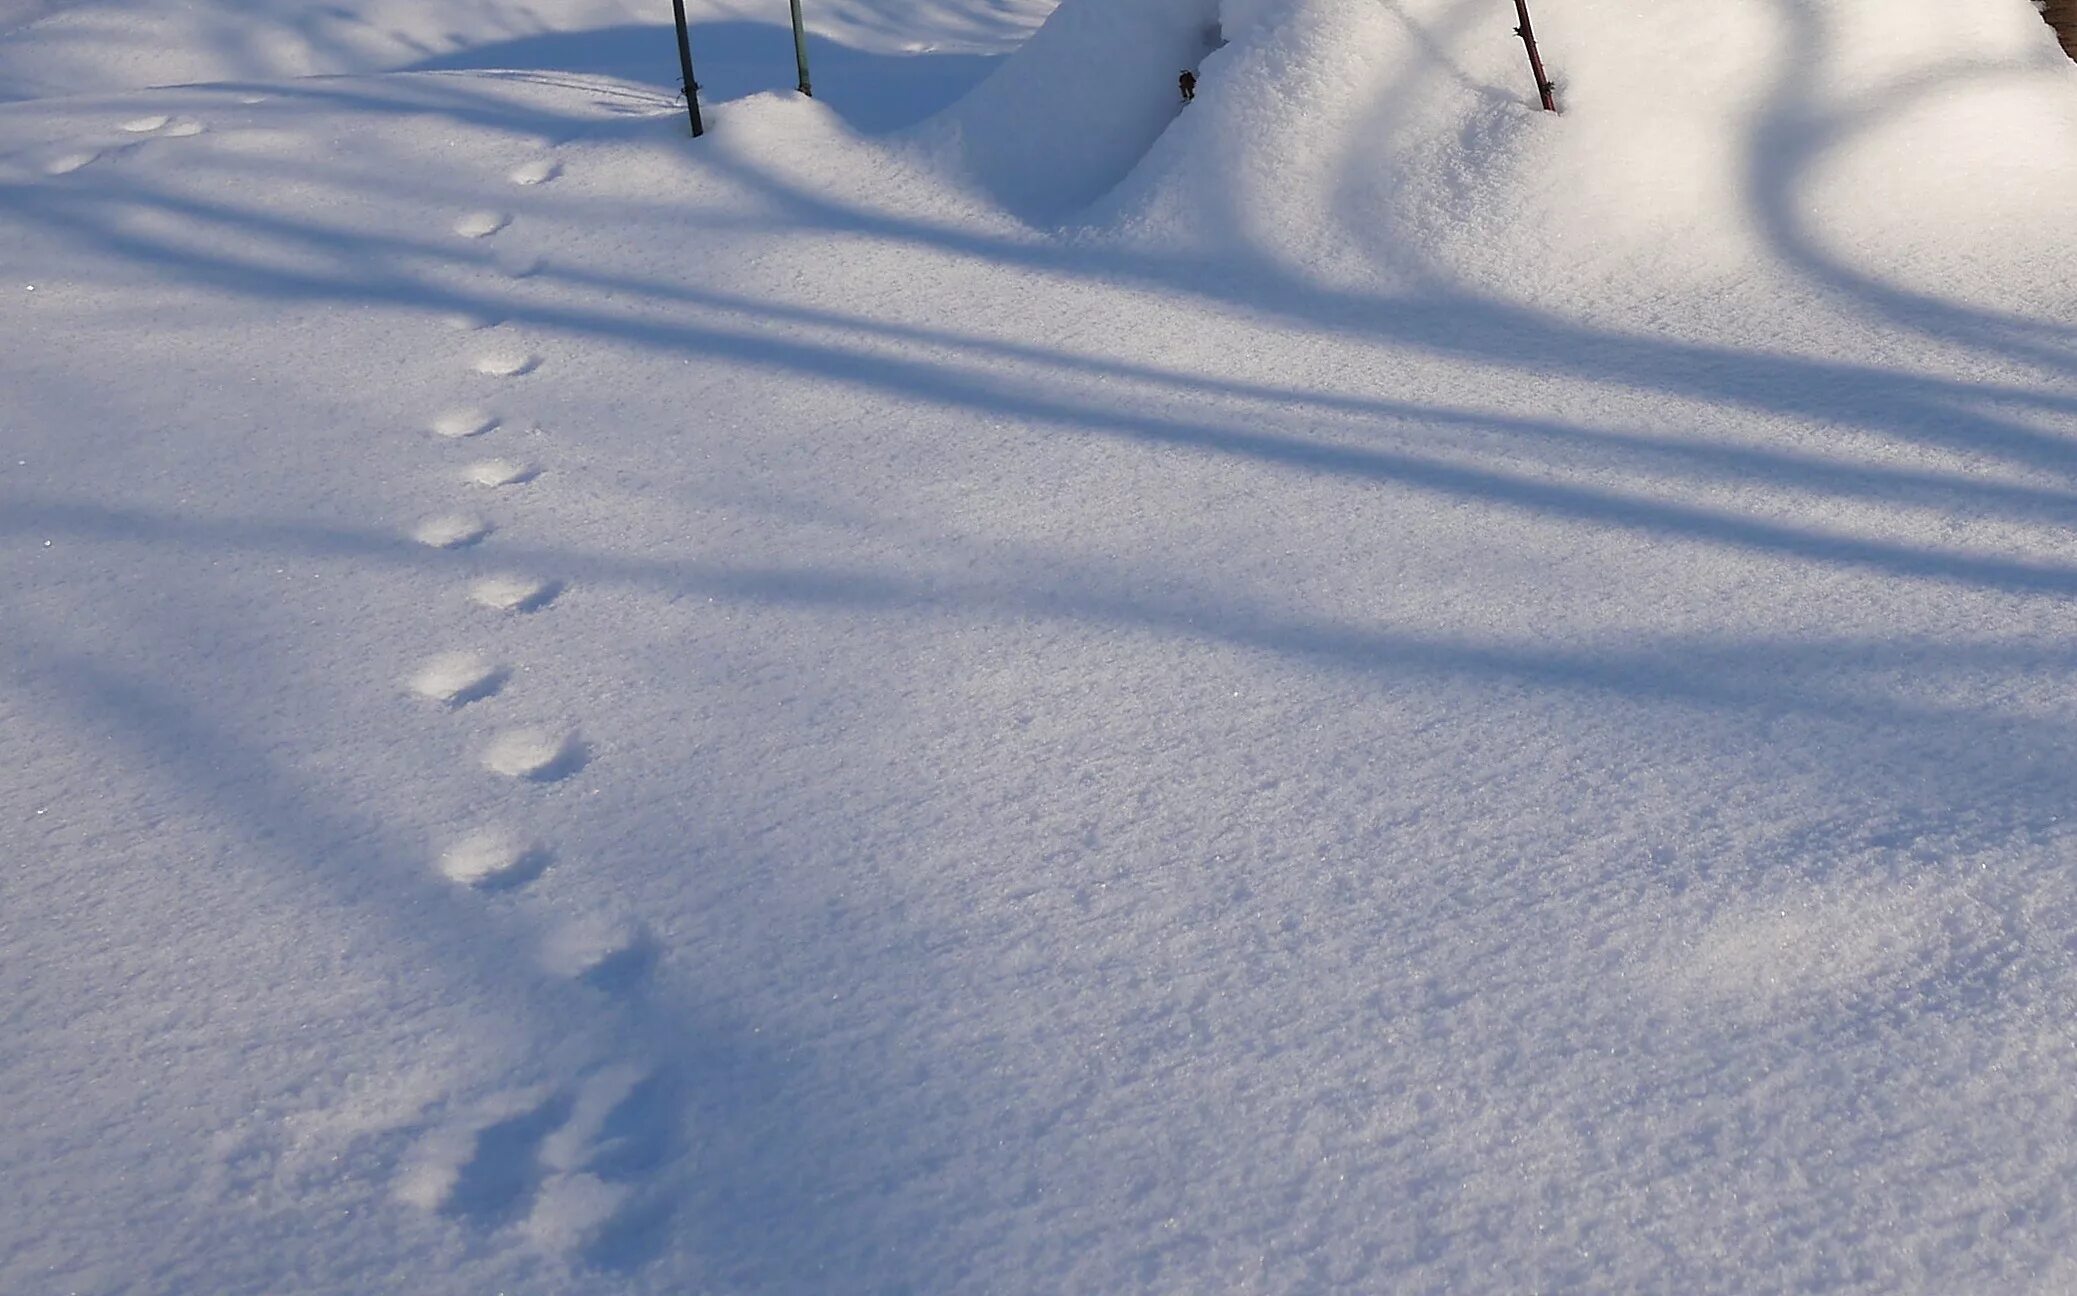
987, 684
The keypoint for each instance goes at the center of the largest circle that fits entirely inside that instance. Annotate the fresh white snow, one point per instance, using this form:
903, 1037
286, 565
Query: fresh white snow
991, 683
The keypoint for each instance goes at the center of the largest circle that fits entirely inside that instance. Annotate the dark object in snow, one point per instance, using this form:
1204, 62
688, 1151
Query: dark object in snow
2062, 15
800, 50
692, 87
1188, 84
1544, 88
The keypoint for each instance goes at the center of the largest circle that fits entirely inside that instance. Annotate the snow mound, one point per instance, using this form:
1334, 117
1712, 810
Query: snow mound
1402, 141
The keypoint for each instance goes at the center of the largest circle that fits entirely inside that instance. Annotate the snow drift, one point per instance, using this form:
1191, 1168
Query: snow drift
1400, 137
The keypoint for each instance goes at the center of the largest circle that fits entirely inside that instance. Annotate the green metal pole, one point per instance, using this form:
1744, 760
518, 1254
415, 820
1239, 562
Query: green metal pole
692, 87
800, 49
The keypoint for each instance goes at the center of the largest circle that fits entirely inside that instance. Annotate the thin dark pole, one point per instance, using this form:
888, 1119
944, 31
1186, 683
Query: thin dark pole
692, 87
1544, 88
800, 50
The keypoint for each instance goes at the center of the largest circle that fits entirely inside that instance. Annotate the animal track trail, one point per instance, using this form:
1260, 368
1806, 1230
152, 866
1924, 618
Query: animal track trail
156, 125
580, 1168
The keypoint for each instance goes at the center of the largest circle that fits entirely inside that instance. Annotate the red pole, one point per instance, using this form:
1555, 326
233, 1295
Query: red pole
1544, 88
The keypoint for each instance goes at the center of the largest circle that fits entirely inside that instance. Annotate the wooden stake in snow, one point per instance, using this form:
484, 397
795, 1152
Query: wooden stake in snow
1544, 88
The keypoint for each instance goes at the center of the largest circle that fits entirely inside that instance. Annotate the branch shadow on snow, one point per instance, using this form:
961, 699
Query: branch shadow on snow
873, 92
1794, 136
723, 1148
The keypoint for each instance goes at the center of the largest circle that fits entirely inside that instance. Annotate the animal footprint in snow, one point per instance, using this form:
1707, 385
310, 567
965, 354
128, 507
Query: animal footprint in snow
145, 125
451, 531
572, 1212
514, 593
458, 423
492, 859
500, 472
564, 1165
607, 952
481, 224
484, 1169
66, 164
539, 171
183, 130
520, 265
535, 754
456, 678
506, 364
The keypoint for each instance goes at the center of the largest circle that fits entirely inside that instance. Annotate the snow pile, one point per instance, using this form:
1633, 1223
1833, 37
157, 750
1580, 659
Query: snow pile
1351, 137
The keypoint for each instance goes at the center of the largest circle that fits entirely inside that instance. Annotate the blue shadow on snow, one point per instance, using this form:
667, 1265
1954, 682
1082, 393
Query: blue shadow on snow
872, 92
